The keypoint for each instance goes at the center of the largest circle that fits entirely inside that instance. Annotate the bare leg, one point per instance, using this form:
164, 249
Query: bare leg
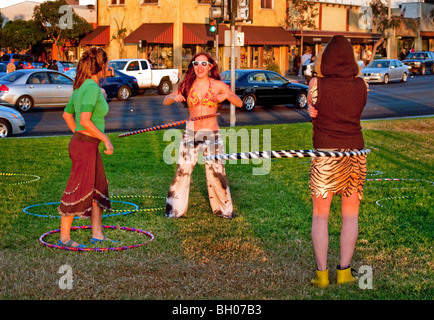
96, 221
320, 236
65, 228
350, 228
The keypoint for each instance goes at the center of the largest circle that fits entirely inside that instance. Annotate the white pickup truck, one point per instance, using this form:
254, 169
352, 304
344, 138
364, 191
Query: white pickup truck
162, 79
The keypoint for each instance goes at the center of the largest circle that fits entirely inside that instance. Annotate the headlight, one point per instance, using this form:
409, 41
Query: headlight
17, 115
417, 63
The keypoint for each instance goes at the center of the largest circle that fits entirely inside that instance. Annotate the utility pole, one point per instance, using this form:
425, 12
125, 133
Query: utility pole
389, 38
233, 16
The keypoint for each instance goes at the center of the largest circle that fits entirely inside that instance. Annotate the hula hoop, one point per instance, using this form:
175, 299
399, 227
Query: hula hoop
20, 174
168, 125
391, 198
285, 154
400, 179
53, 246
121, 212
140, 196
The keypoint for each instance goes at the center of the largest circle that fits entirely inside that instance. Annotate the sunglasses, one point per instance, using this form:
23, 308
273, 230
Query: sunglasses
202, 63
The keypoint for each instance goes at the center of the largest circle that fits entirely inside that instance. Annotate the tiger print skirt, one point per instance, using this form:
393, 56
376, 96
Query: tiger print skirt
343, 175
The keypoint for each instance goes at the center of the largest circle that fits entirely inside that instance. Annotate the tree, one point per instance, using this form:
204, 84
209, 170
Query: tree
2, 20
48, 18
301, 14
381, 20
20, 35
120, 35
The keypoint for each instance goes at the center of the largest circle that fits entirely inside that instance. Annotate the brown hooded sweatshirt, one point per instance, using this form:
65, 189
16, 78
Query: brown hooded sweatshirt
341, 99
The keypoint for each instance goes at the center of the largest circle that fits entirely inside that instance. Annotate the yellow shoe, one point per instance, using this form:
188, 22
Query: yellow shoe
321, 279
345, 276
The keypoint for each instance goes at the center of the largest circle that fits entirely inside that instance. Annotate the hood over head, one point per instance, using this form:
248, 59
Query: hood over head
338, 59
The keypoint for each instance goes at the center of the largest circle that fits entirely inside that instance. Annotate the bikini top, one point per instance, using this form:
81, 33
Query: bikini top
193, 99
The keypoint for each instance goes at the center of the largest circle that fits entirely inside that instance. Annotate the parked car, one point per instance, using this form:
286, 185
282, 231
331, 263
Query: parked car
162, 79
264, 87
309, 72
65, 65
28, 88
420, 62
119, 85
3, 71
385, 70
6, 58
11, 122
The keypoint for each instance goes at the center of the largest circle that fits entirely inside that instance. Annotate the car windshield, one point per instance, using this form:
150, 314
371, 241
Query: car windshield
117, 65
226, 75
69, 64
416, 55
379, 64
2, 67
5, 57
11, 77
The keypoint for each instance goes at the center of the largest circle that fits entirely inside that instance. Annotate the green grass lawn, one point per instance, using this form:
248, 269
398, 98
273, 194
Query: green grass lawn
265, 253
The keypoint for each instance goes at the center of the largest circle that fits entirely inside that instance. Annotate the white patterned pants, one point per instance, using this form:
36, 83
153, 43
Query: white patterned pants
209, 142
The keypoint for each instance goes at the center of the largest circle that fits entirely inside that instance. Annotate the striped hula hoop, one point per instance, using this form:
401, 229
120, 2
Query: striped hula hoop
6, 174
285, 154
168, 125
53, 246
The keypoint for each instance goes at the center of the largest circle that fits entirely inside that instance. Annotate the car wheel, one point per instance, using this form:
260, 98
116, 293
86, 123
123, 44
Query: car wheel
404, 77
301, 101
5, 129
165, 87
422, 70
249, 102
386, 79
124, 93
24, 103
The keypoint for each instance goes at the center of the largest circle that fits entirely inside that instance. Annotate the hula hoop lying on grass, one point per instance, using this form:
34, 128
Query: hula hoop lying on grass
6, 174
168, 125
150, 235
121, 212
391, 198
285, 154
400, 179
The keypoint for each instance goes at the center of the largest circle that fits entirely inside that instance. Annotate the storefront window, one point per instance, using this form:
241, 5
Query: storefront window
160, 56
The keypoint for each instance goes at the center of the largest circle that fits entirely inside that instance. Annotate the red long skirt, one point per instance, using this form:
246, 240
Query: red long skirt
87, 181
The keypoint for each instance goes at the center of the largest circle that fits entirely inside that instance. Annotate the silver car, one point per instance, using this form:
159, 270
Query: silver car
11, 122
28, 88
385, 70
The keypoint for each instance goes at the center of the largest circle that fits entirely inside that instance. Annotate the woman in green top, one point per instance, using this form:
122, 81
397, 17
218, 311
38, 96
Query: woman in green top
86, 193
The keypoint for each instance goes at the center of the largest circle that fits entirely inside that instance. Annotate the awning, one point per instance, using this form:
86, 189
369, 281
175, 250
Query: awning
152, 33
267, 36
316, 36
429, 34
98, 37
196, 33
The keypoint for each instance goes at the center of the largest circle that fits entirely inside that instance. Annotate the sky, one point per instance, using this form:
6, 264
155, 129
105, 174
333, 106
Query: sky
7, 3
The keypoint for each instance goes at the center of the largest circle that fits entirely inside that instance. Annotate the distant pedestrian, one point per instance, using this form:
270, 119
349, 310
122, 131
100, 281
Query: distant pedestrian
403, 54
11, 66
53, 65
305, 60
20, 65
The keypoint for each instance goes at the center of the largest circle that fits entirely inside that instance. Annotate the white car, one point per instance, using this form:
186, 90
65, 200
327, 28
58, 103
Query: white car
385, 70
162, 79
308, 73
11, 122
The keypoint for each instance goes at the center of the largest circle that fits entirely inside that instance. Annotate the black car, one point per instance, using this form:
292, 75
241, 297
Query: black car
264, 87
117, 85
420, 62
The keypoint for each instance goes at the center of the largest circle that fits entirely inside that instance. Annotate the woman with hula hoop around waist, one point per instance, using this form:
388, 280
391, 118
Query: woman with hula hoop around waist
202, 92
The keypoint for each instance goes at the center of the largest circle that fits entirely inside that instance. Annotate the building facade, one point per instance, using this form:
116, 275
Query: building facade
170, 32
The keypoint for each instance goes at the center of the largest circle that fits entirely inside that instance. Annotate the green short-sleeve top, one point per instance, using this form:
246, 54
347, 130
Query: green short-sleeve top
88, 98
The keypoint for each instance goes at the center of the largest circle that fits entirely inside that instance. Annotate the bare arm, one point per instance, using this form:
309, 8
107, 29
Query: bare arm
175, 96
225, 93
311, 110
95, 132
70, 121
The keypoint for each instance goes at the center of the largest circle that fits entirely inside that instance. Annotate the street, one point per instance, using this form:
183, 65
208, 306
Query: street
414, 98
